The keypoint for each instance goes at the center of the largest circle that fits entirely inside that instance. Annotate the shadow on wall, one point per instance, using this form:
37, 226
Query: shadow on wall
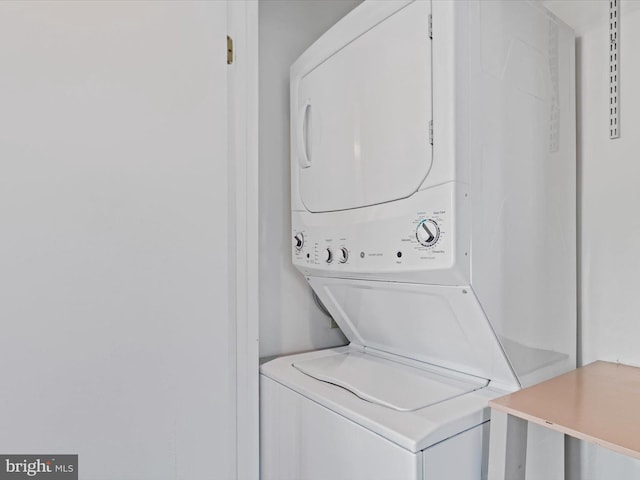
289, 319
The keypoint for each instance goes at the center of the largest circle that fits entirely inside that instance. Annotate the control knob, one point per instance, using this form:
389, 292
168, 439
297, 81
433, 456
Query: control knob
328, 256
343, 255
427, 233
298, 239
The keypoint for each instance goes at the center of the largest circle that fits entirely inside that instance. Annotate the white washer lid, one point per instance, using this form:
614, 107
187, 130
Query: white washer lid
434, 324
384, 382
414, 431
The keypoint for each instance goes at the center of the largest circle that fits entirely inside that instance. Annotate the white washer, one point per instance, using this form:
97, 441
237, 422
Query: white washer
433, 213
412, 422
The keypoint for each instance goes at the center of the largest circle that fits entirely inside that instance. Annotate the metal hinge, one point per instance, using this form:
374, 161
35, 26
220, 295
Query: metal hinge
430, 26
431, 132
229, 50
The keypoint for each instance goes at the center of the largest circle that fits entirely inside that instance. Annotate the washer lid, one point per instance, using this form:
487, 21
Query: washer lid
433, 324
387, 383
411, 430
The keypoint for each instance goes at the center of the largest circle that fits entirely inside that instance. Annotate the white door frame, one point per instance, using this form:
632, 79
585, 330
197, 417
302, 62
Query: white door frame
242, 25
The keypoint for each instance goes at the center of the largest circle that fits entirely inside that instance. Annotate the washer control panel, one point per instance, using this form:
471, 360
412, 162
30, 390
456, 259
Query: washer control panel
412, 234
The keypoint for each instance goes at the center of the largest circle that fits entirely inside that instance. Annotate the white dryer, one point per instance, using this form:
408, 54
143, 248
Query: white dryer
433, 213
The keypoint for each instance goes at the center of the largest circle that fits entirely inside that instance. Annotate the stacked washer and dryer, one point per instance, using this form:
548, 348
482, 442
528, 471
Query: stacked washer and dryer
433, 213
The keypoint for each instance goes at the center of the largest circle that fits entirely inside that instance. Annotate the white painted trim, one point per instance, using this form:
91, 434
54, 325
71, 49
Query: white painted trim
243, 154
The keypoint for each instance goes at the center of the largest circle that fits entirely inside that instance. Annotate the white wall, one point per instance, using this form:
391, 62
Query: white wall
609, 224
114, 298
289, 320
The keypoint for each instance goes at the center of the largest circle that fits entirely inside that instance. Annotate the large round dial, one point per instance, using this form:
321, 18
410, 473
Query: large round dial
342, 255
298, 240
427, 233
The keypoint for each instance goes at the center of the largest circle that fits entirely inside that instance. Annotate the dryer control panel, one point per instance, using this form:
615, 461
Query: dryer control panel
414, 234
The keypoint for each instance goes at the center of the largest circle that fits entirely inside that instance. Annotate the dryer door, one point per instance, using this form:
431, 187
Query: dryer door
362, 122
